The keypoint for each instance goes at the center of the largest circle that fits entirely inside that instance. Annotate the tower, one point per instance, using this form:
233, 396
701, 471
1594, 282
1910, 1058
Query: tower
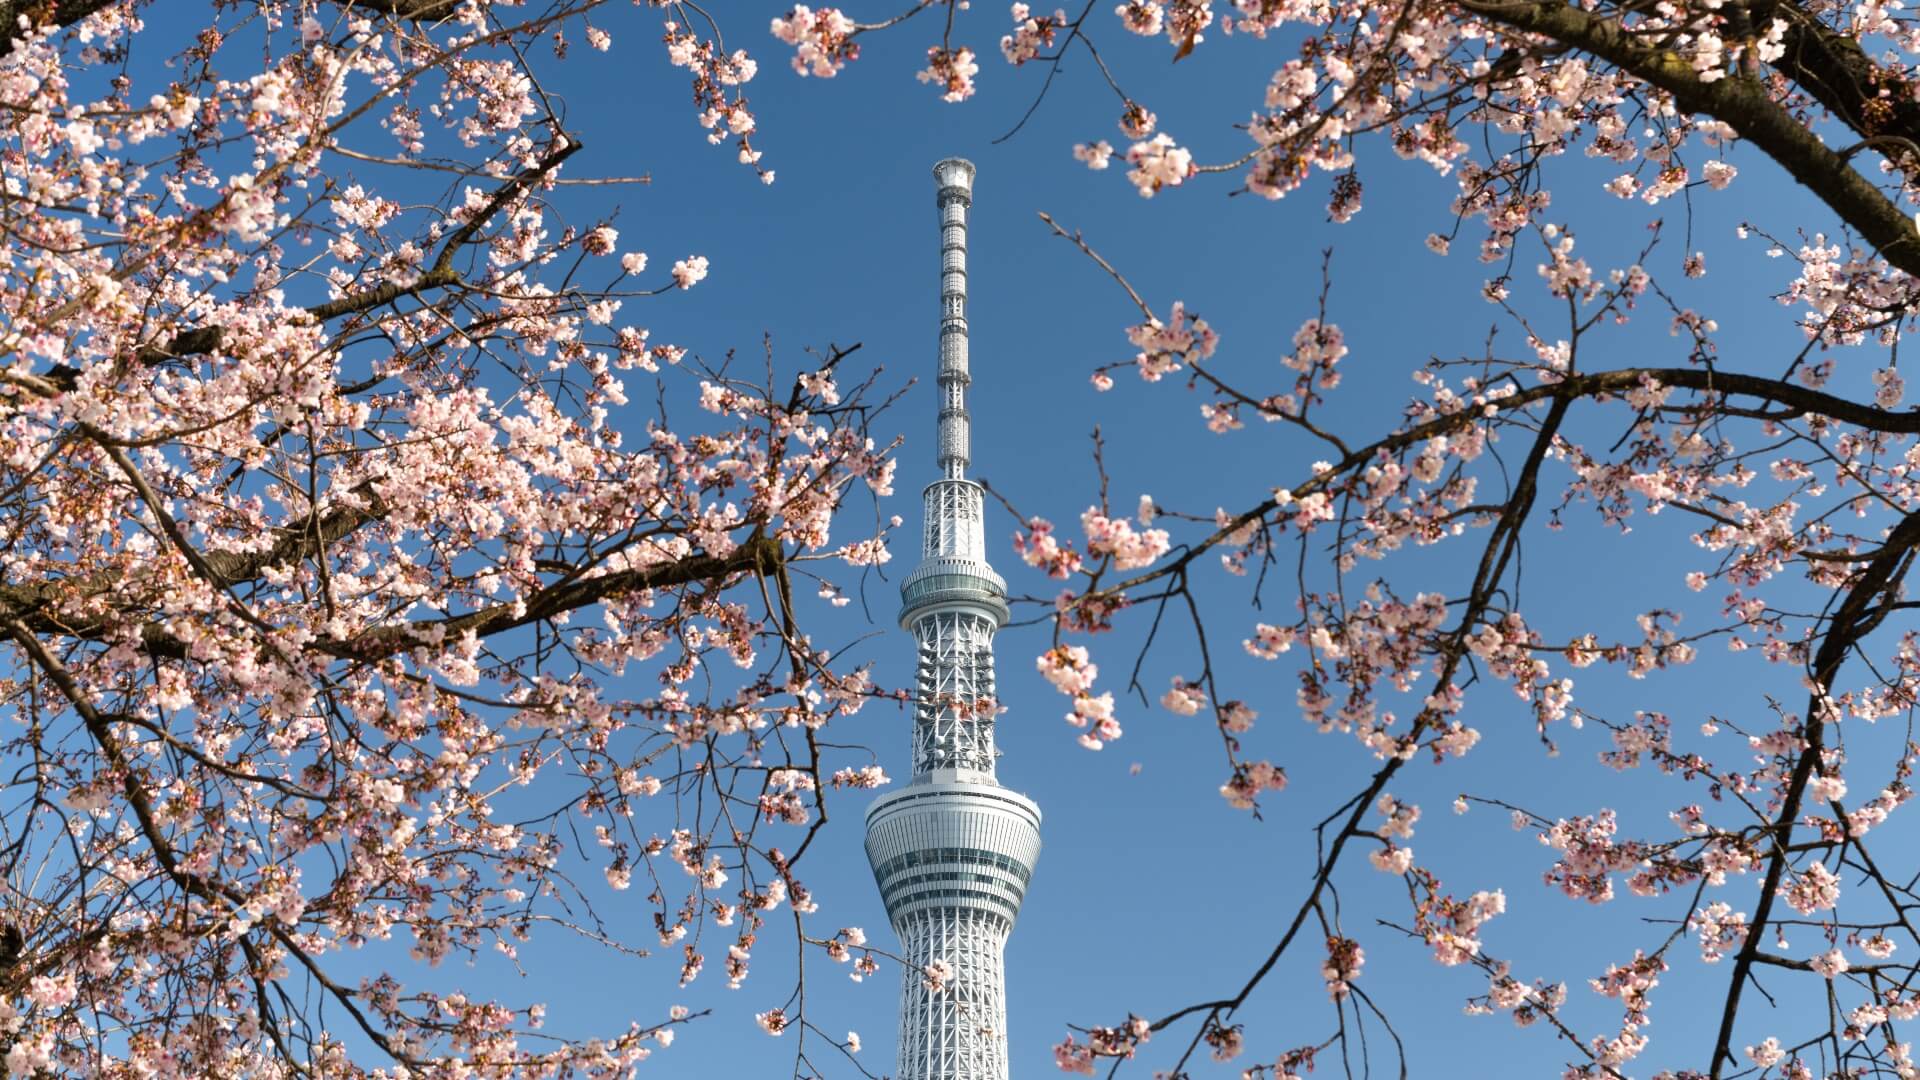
952, 850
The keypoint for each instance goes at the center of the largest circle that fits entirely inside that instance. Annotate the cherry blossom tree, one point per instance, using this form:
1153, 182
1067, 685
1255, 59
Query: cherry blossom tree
1795, 470
322, 543
334, 515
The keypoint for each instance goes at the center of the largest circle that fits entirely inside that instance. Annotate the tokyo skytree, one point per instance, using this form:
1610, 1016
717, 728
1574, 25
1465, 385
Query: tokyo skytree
952, 850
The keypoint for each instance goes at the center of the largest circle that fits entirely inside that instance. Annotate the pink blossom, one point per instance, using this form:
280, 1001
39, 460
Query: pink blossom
1030, 35
1143, 17
1249, 781
951, 71
1268, 642
821, 40
1116, 538
600, 240
690, 271
1345, 957
1164, 345
1227, 1042
1038, 547
936, 975
1183, 699
1767, 1054
1137, 121
1889, 388
1095, 714
1830, 963
1067, 668
1392, 859
1812, 890
52, 991
1158, 163
1096, 154
1073, 1057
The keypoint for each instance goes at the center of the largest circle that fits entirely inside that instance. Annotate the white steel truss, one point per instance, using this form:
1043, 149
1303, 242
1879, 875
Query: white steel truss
953, 719
961, 1029
953, 851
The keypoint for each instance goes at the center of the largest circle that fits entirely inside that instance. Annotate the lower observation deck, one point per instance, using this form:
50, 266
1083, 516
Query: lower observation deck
949, 841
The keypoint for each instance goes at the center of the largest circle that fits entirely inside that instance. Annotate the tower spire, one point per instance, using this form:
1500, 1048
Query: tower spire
953, 851
955, 179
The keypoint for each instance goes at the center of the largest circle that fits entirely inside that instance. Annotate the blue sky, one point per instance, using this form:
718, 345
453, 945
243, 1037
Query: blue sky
1152, 893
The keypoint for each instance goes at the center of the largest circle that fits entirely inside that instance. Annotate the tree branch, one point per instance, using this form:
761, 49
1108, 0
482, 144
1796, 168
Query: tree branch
1739, 100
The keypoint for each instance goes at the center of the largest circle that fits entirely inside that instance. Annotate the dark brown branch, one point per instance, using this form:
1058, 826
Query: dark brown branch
1739, 100
42, 13
760, 553
1838, 73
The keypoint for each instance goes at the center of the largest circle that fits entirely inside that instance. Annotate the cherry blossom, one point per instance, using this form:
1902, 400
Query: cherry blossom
1157, 163
1184, 699
1030, 35
690, 271
1830, 963
951, 71
1767, 1054
936, 975
1097, 154
1345, 957
821, 40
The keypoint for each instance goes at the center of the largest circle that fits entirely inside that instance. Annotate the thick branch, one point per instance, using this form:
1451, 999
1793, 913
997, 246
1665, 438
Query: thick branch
1837, 72
40, 13
63, 13
33, 606
1738, 100
757, 553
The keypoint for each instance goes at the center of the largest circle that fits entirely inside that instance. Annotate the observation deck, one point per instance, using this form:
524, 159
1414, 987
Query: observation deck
948, 840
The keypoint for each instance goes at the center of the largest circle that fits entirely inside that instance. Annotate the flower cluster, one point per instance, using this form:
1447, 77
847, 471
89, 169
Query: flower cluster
1030, 35
1158, 163
1250, 779
1116, 538
950, 70
822, 40
1164, 345
1345, 957
1038, 547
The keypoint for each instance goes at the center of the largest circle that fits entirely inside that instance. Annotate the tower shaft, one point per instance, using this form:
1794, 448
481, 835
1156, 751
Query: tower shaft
953, 851
959, 1030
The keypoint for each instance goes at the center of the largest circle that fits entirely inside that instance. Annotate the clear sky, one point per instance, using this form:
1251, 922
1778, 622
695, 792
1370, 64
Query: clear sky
1151, 893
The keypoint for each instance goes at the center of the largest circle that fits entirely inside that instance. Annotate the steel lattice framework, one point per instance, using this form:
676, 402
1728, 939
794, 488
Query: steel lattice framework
953, 851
